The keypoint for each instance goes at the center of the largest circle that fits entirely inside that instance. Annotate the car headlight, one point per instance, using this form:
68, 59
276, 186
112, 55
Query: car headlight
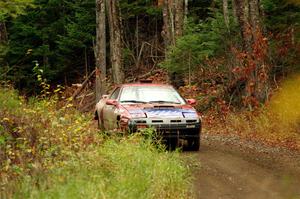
137, 114
190, 114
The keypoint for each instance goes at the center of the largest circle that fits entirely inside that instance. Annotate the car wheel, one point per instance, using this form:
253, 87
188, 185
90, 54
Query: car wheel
172, 143
194, 143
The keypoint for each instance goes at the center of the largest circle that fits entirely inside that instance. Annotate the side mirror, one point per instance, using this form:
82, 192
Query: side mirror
191, 101
111, 102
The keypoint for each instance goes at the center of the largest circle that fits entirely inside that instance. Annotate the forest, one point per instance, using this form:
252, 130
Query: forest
238, 58
237, 51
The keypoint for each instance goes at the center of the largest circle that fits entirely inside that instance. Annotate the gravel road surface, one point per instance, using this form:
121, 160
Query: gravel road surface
230, 168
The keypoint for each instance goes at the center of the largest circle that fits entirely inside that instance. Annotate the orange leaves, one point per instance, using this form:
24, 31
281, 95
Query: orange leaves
260, 46
160, 3
159, 77
252, 66
189, 91
262, 73
284, 43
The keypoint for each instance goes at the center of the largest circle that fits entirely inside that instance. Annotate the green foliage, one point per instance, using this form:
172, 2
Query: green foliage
128, 168
200, 42
57, 34
13, 8
280, 15
51, 152
140, 7
9, 100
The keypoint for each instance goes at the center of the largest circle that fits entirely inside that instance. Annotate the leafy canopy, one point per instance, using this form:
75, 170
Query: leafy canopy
13, 8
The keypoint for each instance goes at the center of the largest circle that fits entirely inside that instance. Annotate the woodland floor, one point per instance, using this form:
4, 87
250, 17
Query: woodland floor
231, 168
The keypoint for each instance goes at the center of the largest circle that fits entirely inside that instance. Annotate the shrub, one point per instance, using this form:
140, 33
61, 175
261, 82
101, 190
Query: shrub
50, 152
278, 123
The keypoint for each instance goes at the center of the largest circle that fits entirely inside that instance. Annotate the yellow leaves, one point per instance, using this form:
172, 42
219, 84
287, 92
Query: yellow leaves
78, 129
42, 131
28, 150
29, 51
57, 90
6, 119
69, 105
54, 124
69, 99
285, 103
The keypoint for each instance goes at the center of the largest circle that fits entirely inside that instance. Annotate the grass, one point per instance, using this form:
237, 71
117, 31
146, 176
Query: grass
285, 103
129, 168
48, 151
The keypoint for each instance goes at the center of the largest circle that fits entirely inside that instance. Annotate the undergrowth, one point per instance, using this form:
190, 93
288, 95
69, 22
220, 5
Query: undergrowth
277, 123
48, 151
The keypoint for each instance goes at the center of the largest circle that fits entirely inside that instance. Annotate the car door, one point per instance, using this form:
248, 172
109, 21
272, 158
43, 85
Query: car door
109, 111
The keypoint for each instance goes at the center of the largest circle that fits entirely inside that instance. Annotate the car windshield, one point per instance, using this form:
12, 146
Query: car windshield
150, 94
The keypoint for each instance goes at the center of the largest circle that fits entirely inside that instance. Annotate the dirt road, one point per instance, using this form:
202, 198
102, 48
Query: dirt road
232, 169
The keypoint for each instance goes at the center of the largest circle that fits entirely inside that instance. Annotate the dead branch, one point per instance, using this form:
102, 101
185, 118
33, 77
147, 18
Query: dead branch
84, 83
146, 75
85, 95
89, 106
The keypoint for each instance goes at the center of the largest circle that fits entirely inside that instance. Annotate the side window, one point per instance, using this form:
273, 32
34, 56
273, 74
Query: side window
115, 94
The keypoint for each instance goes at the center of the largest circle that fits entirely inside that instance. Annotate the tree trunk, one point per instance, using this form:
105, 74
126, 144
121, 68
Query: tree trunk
254, 16
234, 11
242, 14
174, 12
255, 46
225, 13
166, 32
3, 33
179, 17
262, 71
186, 10
115, 41
100, 49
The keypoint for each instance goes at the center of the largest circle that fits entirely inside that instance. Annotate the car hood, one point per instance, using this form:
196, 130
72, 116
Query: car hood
161, 110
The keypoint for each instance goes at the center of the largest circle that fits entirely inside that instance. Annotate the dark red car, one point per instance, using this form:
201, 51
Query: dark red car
131, 107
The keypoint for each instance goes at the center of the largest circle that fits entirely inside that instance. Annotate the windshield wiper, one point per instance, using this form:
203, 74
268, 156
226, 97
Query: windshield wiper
163, 101
133, 101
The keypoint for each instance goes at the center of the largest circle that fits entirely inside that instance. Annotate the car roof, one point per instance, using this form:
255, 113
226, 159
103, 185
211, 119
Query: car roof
145, 84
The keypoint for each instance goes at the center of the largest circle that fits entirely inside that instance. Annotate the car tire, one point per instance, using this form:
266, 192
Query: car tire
172, 143
194, 143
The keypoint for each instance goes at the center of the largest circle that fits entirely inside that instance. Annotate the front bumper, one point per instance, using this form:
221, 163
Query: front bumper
183, 129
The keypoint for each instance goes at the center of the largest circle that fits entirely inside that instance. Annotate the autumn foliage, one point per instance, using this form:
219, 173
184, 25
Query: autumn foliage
49, 150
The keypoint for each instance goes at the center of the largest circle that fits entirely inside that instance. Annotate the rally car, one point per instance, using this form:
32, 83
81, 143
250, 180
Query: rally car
132, 107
